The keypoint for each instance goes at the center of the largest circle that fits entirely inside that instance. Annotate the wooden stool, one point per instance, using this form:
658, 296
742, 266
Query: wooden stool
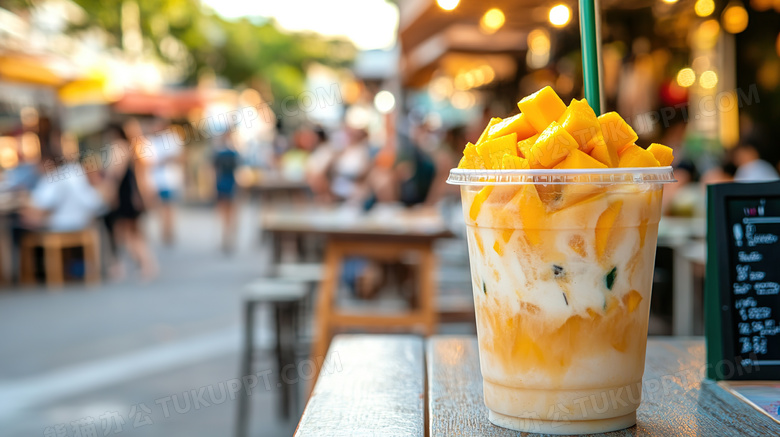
285, 297
53, 243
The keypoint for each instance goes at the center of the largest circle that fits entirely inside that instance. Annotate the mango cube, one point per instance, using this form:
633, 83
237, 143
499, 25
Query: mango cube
479, 199
512, 162
542, 107
517, 124
492, 151
581, 122
484, 136
552, 146
635, 156
663, 154
631, 300
604, 226
579, 159
524, 146
532, 212
471, 159
602, 153
616, 132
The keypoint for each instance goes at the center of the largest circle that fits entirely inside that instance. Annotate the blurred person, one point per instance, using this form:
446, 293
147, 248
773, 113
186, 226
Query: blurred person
128, 204
719, 174
446, 155
226, 161
750, 166
166, 176
24, 176
683, 198
318, 166
293, 161
351, 166
64, 200
415, 167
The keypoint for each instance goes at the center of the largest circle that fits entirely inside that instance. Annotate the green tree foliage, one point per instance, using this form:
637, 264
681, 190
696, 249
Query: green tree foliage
243, 51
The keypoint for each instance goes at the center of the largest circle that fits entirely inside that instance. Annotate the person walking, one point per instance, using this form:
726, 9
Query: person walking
226, 160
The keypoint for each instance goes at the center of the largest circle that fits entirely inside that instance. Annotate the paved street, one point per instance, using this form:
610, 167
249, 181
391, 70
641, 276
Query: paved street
88, 357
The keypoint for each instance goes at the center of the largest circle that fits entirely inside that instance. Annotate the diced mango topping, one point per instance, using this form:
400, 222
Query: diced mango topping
471, 158
492, 151
547, 134
616, 132
512, 162
524, 146
579, 159
517, 124
663, 154
484, 136
581, 122
542, 107
635, 156
603, 154
552, 146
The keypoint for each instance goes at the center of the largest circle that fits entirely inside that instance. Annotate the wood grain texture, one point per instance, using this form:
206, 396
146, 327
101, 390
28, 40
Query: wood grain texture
676, 399
375, 387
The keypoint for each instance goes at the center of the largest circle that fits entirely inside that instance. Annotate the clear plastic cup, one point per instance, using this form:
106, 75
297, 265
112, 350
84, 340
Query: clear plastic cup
562, 270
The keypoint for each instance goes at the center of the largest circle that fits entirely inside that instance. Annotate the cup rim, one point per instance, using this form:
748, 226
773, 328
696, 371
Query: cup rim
592, 176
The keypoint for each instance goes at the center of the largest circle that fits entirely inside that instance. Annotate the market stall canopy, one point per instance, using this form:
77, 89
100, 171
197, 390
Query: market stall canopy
37, 70
172, 104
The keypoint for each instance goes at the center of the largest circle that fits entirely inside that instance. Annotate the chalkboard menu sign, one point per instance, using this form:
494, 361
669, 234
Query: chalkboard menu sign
742, 297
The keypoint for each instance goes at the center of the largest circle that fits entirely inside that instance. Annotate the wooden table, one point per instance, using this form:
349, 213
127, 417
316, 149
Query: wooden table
386, 234
406, 386
275, 188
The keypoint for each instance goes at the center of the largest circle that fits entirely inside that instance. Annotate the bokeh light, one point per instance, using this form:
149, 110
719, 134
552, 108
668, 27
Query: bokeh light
734, 18
686, 77
488, 72
384, 101
560, 15
463, 99
708, 80
704, 8
448, 5
493, 20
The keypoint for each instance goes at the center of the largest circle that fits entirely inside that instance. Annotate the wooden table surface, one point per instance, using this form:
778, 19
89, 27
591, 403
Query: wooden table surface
369, 386
379, 392
380, 222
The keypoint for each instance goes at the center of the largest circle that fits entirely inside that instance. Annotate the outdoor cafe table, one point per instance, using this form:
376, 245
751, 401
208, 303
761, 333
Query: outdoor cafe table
403, 385
385, 233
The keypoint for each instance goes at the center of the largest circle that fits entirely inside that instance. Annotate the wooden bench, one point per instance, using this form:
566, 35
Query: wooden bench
53, 243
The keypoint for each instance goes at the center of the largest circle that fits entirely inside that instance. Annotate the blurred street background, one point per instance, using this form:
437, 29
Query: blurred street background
163, 163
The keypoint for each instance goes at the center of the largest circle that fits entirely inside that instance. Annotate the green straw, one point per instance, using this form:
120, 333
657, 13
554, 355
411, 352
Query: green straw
590, 64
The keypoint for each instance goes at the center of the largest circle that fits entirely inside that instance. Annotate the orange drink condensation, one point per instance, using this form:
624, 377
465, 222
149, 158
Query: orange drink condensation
562, 268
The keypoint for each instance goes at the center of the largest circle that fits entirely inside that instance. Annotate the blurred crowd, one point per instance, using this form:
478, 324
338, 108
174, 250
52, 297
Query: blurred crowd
60, 184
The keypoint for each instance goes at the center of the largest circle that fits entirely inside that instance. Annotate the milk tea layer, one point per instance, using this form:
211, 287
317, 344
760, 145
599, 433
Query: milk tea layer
562, 294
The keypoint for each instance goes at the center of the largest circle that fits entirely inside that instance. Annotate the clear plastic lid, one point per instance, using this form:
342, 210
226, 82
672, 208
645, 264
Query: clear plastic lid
598, 176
